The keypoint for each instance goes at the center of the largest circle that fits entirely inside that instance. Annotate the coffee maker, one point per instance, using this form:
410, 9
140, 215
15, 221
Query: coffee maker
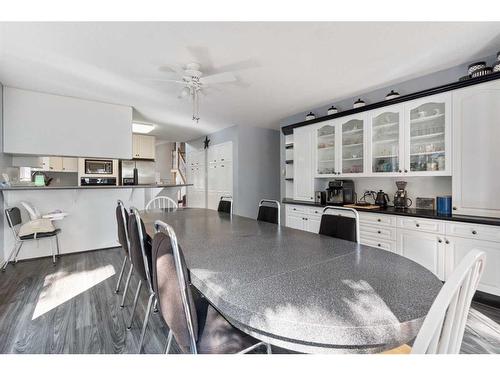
340, 192
400, 198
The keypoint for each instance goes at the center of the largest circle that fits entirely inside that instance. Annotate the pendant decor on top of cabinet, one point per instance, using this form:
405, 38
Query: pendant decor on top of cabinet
392, 95
358, 103
332, 110
310, 116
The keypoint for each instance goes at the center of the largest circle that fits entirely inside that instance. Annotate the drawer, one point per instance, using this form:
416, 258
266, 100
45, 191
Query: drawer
379, 219
377, 232
382, 244
422, 225
293, 208
315, 211
475, 231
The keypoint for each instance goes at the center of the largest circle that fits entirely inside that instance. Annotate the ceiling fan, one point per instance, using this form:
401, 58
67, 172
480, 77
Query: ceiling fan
194, 83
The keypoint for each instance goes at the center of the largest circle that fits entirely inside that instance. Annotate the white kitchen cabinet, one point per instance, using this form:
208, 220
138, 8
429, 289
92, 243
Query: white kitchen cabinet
427, 249
326, 144
428, 136
143, 146
352, 154
295, 221
313, 223
36, 162
457, 248
303, 187
221, 152
476, 151
386, 145
55, 164
69, 164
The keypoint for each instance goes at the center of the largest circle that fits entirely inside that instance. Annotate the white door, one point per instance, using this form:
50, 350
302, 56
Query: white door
426, 249
147, 147
303, 187
313, 223
136, 145
428, 136
212, 177
295, 221
476, 150
352, 153
70, 164
55, 164
457, 248
386, 141
325, 146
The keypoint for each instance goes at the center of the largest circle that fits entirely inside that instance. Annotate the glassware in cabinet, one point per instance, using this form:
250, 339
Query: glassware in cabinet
325, 150
353, 146
385, 142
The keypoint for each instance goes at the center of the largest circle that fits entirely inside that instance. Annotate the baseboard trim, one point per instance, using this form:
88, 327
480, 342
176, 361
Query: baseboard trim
487, 299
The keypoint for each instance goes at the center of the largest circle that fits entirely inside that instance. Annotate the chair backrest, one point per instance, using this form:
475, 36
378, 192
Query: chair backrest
122, 226
32, 211
269, 211
170, 280
226, 204
343, 227
161, 203
443, 328
13, 215
140, 247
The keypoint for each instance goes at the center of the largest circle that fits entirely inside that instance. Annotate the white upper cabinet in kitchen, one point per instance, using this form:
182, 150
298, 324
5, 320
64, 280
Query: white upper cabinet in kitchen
386, 141
352, 131
476, 150
303, 186
325, 150
428, 136
143, 146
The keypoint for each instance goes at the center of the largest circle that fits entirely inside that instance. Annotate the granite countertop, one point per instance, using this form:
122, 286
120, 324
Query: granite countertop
148, 186
298, 290
413, 212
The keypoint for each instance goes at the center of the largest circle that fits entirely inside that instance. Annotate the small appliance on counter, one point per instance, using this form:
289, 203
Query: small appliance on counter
444, 205
97, 171
97, 181
320, 197
382, 199
340, 192
401, 197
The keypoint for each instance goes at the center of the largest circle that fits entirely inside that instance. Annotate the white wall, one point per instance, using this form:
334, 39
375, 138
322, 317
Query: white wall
44, 124
163, 160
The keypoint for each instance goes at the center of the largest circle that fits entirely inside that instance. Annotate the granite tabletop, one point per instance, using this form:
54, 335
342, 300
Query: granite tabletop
413, 212
61, 187
298, 290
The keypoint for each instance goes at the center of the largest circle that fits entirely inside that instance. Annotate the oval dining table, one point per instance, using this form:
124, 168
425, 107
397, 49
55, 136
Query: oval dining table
301, 291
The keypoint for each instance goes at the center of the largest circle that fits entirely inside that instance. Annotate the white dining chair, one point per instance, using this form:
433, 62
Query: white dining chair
443, 328
161, 203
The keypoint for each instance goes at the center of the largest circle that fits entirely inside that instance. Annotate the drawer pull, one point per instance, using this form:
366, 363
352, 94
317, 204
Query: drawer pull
295, 209
440, 240
418, 225
379, 220
447, 242
379, 245
474, 232
379, 232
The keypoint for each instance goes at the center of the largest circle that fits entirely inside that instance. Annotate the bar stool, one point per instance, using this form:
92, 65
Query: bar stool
196, 326
269, 211
162, 203
14, 221
343, 227
226, 204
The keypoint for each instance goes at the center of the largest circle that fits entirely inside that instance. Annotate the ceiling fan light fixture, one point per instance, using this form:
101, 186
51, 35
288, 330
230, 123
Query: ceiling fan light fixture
142, 128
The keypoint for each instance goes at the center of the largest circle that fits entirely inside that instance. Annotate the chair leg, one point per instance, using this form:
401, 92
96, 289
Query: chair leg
57, 246
155, 308
53, 252
145, 324
126, 285
120, 276
14, 249
17, 252
268, 347
169, 341
136, 298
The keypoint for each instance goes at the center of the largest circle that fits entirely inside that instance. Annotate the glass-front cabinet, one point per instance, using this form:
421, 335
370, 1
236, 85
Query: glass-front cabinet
353, 144
326, 150
387, 140
428, 135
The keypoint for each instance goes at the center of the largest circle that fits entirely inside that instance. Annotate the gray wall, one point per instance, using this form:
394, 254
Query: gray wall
5, 161
403, 87
255, 164
163, 160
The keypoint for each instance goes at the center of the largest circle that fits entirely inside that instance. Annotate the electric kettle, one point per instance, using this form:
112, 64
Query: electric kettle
382, 199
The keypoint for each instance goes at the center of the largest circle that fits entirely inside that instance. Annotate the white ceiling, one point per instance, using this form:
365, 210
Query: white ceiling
282, 68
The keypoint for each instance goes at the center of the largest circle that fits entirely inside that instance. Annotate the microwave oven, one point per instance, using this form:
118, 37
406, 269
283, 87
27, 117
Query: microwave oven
98, 166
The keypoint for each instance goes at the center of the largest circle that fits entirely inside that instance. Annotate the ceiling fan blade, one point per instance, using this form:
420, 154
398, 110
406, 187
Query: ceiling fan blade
171, 69
218, 78
166, 80
202, 56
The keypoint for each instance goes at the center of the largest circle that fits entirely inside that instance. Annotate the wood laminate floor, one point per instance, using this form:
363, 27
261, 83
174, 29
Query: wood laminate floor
72, 308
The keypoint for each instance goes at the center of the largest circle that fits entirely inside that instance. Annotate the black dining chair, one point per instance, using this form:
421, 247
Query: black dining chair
196, 326
226, 204
122, 232
340, 226
269, 211
140, 256
14, 220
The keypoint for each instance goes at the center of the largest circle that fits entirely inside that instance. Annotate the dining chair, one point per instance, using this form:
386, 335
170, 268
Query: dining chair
269, 211
162, 203
122, 231
339, 226
196, 326
226, 204
14, 221
444, 326
140, 255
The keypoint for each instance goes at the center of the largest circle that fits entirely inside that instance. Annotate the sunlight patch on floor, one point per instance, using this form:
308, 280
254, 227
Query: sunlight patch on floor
60, 287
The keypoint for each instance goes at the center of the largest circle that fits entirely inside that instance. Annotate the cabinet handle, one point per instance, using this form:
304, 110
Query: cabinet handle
295, 209
379, 220
379, 245
440, 240
305, 218
379, 232
447, 242
222, 159
454, 208
417, 225
316, 212
406, 170
474, 232
400, 171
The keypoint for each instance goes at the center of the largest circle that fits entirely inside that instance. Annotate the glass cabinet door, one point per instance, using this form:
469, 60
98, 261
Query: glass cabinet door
325, 150
386, 141
353, 146
428, 135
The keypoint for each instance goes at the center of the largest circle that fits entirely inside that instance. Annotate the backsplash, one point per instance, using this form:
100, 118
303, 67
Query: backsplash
426, 187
